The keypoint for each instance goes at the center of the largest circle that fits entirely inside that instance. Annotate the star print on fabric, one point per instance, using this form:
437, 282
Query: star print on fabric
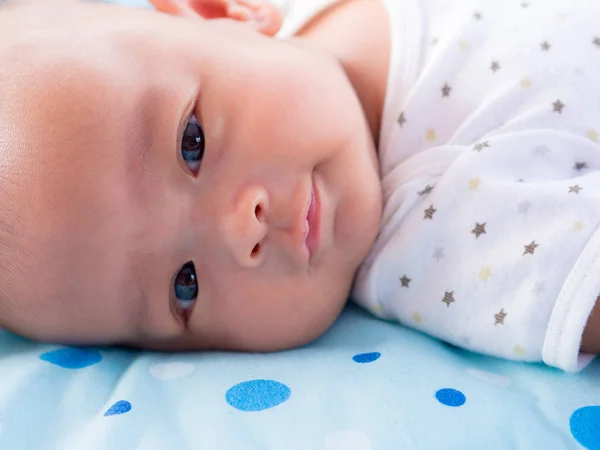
558, 106
541, 150
500, 317
575, 189
417, 318
485, 273
446, 90
593, 135
474, 184
545, 46
448, 298
523, 207
519, 350
401, 119
596, 41
520, 180
430, 134
538, 287
377, 309
578, 225
530, 248
562, 17
524, 5
463, 45
495, 66
477, 16
481, 145
434, 41
438, 254
429, 212
579, 166
405, 281
426, 190
525, 82
479, 229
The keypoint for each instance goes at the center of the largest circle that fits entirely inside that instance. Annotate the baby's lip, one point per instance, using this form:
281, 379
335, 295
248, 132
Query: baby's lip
313, 221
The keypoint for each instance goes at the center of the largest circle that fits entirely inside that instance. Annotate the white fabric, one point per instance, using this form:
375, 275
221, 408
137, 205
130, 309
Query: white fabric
489, 156
298, 13
496, 107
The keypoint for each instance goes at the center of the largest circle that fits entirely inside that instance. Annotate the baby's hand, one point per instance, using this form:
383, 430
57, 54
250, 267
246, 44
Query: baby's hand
261, 15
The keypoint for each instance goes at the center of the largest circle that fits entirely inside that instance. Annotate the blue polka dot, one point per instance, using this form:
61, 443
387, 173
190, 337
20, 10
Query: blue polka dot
256, 395
121, 407
450, 397
585, 427
363, 358
72, 358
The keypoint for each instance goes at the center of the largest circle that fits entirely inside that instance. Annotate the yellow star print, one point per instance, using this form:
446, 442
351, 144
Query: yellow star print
525, 82
578, 226
519, 350
430, 134
464, 45
377, 309
485, 272
593, 135
474, 184
417, 318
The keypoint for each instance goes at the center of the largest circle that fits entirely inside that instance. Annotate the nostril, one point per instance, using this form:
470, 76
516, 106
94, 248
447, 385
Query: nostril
258, 212
255, 251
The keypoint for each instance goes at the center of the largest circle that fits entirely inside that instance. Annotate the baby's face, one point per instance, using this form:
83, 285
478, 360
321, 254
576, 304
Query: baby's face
131, 224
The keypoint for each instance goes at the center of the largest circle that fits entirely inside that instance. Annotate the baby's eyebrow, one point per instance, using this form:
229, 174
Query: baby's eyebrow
142, 120
145, 119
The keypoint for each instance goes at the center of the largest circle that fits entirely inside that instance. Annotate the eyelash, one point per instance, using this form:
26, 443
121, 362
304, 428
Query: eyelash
190, 111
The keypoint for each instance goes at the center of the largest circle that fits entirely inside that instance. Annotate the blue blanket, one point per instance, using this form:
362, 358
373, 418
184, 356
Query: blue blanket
365, 385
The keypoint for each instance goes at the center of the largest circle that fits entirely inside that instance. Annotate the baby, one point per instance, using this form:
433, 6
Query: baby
219, 175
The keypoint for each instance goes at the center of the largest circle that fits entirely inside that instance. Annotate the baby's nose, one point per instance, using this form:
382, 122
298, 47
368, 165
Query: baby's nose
245, 226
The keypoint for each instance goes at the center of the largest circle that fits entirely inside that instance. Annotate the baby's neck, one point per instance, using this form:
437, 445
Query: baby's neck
364, 55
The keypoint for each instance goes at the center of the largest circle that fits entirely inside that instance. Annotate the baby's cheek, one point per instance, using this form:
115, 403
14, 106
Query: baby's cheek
591, 335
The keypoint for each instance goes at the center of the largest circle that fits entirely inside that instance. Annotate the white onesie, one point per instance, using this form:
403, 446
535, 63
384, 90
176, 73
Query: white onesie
490, 164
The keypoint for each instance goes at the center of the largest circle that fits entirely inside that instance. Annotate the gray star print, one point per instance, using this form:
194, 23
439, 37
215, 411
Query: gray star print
401, 119
523, 207
538, 287
558, 106
439, 253
426, 190
446, 90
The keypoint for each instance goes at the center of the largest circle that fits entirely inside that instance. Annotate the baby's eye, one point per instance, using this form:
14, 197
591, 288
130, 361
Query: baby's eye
192, 144
186, 286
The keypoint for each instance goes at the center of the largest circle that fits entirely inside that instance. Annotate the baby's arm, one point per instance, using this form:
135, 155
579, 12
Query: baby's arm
591, 335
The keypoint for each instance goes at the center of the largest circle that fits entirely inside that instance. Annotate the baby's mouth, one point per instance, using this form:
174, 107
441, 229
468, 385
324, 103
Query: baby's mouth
313, 219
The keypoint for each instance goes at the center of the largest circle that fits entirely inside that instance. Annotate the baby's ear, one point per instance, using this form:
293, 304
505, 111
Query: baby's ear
261, 15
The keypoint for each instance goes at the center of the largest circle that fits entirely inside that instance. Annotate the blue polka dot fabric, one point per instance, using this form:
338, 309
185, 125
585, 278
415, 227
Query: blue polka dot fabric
366, 385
